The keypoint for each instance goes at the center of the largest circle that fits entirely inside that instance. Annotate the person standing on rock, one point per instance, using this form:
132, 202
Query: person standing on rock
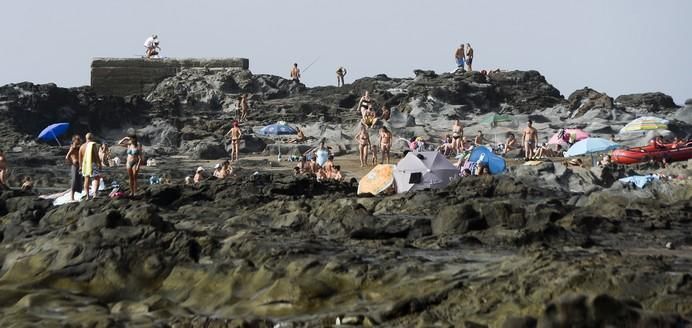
235, 134
460, 56
469, 56
385, 143
73, 157
364, 103
340, 73
244, 107
151, 44
363, 139
529, 139
295, 73
3, 170
458, 136
134, 160
90, 165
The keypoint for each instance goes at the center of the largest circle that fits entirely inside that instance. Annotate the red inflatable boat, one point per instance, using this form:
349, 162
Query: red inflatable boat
635, 155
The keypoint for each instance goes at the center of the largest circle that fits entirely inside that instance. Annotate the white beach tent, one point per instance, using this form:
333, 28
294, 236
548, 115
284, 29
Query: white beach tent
421, 170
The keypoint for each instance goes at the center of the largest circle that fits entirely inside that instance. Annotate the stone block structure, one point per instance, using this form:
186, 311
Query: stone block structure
138, 76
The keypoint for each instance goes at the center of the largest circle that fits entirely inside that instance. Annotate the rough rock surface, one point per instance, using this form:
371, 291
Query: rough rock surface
652, 102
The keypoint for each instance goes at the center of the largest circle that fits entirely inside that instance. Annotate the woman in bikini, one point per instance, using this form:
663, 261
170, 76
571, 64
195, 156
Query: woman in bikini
134, 160
363, 139
457, 136
235, 134
385, 143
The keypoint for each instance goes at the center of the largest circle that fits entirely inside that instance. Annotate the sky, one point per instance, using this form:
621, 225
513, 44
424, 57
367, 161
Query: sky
614, 46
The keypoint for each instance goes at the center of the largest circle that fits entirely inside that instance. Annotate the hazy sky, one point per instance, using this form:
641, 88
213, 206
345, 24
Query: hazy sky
614, 46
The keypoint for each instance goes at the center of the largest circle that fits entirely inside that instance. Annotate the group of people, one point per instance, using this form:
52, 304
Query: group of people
87, 161
319, 163
221, 171
464, 56
367, 149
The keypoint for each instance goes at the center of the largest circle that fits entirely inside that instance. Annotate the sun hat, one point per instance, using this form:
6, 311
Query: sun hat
200, 169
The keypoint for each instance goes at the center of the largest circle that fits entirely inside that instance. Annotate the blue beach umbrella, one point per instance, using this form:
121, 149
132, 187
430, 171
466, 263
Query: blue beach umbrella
590, 146
278, 129
53, 131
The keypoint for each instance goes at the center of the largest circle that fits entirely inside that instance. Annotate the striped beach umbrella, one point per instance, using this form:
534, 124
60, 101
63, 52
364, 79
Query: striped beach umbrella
644, 124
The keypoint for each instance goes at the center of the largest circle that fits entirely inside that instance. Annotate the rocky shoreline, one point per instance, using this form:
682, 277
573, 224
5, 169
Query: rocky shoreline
547, 245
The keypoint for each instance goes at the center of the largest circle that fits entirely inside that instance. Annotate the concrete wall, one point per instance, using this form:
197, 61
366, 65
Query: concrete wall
132, 76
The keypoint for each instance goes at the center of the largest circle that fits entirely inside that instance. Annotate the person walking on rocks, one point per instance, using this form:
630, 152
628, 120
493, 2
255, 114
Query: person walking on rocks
469, 56
385, 143
134, 160
152, 44
90, 165
3, 170
529, 139
73, 157
235, 134
363, 139
460, 56
340, 73
295, 73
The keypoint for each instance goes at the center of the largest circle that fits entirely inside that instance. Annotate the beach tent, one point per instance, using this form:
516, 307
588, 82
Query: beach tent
379, 180
493, 118
482, 154
421, 170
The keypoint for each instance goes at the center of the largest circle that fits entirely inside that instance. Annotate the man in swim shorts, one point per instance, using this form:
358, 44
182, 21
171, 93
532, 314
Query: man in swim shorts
529, 139
460, 56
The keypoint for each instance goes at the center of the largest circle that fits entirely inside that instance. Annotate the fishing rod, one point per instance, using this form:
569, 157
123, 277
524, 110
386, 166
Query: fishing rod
313, 63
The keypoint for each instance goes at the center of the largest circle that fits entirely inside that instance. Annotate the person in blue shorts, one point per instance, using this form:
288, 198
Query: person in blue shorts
460, 56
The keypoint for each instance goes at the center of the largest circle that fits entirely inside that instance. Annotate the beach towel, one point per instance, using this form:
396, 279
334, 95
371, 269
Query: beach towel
640, 181
87, 162
532, 163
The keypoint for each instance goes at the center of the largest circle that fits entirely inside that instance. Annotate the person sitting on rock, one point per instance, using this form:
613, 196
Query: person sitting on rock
466, 173
303, 165
386, 113
199, 176
482, 169
235, 133
369, 117
337, 173
511, 143
479, 140
105, 154
151, 45
219, 172
27, 184
295, 73
328, 166
340, 73
300, 136
313, 168
605, 161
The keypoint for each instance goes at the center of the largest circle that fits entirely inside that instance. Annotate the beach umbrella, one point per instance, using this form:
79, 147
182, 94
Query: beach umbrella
646, 123
378, 180
590, 146
53, 131
278, 129
567, 134
493, 118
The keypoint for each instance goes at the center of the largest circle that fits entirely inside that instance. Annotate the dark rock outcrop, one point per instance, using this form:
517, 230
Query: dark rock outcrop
653, 102
587, 99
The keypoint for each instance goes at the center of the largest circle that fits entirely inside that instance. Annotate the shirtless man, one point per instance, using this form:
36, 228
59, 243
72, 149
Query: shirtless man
73, 158
386, 113
529, 139
385, 143
469, 56
235, 134
244, 107
295, 73
460, 56
90, 164
3, 170
340, 73
363, 139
